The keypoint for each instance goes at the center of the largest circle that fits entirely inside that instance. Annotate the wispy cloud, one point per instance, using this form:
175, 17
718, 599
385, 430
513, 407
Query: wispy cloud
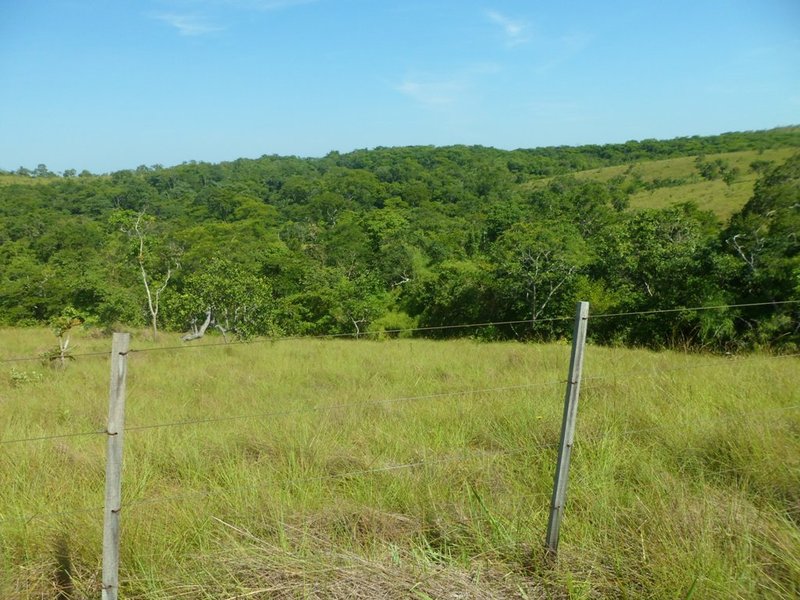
432, 93
562, 50
190, 17
516, 32
251, 5
188, 25
444, 90
564, 111
271, 4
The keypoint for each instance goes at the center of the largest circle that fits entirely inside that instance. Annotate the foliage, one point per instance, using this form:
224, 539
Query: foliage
156, 257
61, 327
19, 377
445, 236
237, 301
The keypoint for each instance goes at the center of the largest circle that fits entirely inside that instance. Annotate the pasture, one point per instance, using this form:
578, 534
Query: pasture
716, 196
402, 468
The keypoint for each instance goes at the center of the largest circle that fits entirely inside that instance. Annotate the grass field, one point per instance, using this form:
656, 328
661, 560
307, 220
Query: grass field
716, 195
402, 469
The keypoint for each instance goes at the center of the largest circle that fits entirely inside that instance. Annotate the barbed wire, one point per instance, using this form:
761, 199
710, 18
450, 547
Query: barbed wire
389, 468
287, 338
691, 308
645, 373
53, 437
326, 336
586, 386
459, 457
294, 411
48, 515
683, 426
347, 405
390, 332
655, 370
42, 358
462, 456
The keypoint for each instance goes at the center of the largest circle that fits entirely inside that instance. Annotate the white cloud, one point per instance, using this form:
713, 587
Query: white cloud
447, 89
516, 31
432, 93
253, 5
271, 4
186, 15
188, 25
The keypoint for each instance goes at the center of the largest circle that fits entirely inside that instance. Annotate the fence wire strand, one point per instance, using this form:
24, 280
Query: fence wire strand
346, 405
54, 437
683, 426
267, 414
654, 370
388, 468
459, 457
393, 467
586, 386
691, 309
187, 346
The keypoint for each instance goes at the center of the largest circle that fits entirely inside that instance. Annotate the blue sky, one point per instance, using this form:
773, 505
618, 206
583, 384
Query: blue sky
107, 85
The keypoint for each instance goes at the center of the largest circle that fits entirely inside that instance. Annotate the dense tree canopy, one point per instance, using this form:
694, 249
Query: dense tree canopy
404, 237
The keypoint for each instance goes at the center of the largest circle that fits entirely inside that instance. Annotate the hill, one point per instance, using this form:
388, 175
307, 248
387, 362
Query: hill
395, 237
664, 183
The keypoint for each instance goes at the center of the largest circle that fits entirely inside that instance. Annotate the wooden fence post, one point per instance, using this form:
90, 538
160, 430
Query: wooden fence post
114, 432
567, 429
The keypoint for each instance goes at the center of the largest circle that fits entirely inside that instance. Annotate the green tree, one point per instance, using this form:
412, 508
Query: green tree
225, 296
156, 258
537, 268
61, 326
455, 292
661, 259
763, 239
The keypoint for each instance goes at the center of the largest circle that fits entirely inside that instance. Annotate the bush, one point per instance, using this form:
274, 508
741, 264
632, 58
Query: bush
395, 324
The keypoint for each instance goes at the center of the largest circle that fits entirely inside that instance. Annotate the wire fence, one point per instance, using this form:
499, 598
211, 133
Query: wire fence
409, 330
643, 373
427, 461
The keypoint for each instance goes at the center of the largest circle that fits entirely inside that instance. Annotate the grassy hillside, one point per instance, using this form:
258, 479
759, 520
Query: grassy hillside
365, 471
11, 179
716, 195
686, 184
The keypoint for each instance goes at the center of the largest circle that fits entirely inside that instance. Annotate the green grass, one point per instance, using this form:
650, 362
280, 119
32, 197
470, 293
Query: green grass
722, 199
716, 196
685, 478
11, 179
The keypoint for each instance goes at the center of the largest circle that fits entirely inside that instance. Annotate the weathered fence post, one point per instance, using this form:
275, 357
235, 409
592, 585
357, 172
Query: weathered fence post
567, 429
114, 432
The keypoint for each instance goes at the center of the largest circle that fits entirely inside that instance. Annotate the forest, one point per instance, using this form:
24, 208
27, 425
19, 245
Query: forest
385, 240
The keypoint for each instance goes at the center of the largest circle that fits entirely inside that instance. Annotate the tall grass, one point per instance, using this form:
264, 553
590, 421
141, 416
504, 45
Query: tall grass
362, 471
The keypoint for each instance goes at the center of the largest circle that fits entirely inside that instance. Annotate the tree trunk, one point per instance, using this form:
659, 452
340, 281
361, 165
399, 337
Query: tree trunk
196, 334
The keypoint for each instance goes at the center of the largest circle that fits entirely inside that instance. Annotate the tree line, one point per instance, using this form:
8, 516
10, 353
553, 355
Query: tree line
397, 238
